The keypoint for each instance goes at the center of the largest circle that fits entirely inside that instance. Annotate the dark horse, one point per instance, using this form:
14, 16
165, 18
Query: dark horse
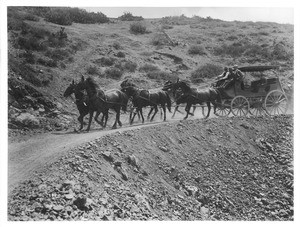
177, 96
142, 98
82, 103
193, 96
128, 83
101, 101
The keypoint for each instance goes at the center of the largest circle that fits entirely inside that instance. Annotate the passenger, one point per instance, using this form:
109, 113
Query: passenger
221, 78
226, 79
237, 73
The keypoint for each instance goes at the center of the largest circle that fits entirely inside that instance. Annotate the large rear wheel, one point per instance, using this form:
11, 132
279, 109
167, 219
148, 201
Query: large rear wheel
240, 106
276, 103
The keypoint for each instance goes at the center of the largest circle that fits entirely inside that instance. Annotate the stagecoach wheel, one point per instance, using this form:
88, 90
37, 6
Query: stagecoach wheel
223, 109
276, 102
240, 106
257, 107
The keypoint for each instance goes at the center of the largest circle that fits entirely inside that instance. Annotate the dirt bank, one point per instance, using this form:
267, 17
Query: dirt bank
215, 169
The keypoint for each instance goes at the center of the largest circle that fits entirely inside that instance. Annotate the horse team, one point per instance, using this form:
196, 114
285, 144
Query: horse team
90, 98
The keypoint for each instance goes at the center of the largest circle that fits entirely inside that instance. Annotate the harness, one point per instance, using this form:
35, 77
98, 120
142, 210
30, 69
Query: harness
138, 92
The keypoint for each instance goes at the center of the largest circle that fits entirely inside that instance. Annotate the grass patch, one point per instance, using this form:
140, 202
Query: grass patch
161, 76
197, 50
113, 73
148, 68
92, 70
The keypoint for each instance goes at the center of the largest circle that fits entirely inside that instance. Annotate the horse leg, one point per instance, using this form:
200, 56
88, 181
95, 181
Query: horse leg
194, 108
105, 113
80, 119
132, 118
90, 120
209, 107
164, 109
117, 118
175, 110
155, 111
119, 121
141, 112
96, 118
187, 109
150, 113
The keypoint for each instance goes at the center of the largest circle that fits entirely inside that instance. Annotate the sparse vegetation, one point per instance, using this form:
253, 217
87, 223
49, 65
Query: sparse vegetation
148, 68
120, 54
159, 75
197, 50
207, 71
66, 16
160, 39
138, 28
126, 66
106, 61
127, 16
92, 70
113, 73
59, 16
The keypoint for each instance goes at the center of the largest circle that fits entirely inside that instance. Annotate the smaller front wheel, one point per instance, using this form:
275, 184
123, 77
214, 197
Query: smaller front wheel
223, 108
240, 106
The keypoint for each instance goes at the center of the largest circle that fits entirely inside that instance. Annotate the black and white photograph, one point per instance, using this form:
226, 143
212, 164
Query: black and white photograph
166, 112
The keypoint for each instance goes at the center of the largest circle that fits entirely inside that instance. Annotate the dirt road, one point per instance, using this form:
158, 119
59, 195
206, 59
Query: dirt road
26, 157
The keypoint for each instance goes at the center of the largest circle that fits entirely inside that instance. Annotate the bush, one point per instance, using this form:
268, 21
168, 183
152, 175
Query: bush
120, 54
161, 76
159, 40
127, 16
31, 17
148, 68
233, 50
207, 71
82, 16
126, 66
197, 49
104, 61
29, 57
47, 62
59, 16
138, 28
30, 75
117, 45
130, 66
30, 43
58, 54
113, 73
92, 70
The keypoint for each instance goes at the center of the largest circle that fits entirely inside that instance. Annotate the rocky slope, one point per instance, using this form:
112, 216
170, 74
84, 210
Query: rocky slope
43, 58
215, 169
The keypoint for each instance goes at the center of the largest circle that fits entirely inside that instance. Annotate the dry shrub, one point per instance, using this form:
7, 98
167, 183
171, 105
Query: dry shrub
197, 50
113, 73
207, 71
138, 28
148, 68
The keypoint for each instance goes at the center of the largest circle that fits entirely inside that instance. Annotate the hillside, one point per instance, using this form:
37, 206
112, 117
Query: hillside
44, 57
216, 169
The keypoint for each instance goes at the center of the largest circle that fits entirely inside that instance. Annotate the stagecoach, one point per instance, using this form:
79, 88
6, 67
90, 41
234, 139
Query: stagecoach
257, 97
